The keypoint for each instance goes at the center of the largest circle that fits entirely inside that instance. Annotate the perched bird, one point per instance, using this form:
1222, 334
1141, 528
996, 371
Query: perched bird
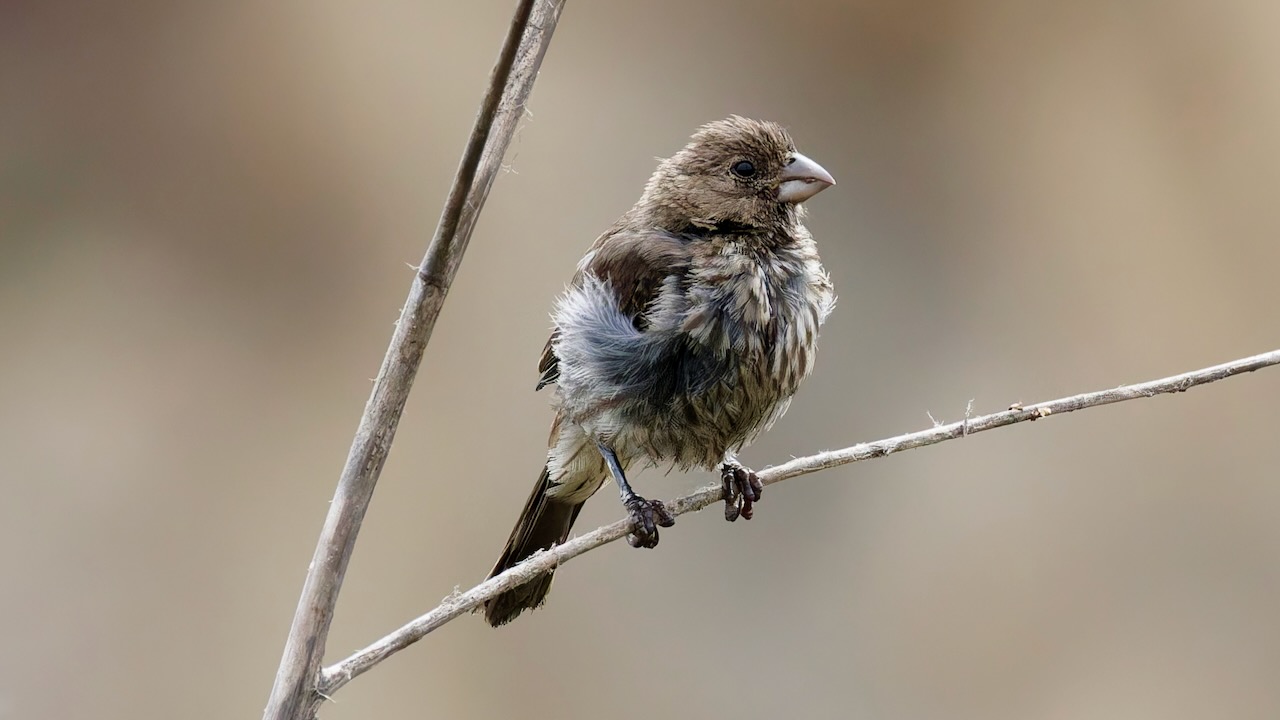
686, 330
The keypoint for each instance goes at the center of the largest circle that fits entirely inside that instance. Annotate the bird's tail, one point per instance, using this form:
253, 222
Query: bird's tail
543, 523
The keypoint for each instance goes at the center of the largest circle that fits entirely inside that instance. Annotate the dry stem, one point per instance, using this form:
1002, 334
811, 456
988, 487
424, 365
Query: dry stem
340, 673
294, 695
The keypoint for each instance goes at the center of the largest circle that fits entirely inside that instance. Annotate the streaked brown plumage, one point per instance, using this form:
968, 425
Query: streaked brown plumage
686, 330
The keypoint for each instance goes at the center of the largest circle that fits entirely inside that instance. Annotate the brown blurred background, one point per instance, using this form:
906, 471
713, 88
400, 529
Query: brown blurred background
206, 211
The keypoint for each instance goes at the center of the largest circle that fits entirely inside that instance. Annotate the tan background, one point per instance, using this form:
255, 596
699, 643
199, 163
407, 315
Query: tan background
207, 210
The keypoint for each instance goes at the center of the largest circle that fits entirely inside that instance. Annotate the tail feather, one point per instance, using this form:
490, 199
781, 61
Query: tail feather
543, 523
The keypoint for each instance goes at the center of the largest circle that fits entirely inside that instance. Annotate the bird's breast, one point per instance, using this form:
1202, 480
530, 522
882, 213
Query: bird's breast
762, 309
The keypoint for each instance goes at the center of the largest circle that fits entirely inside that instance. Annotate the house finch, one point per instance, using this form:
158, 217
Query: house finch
683, 335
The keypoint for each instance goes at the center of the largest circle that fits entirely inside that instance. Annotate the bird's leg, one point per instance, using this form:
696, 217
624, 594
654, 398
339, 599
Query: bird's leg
741, 489
646, 515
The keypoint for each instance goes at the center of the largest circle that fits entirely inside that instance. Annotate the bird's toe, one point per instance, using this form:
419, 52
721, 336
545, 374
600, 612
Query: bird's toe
742, 489
646, 517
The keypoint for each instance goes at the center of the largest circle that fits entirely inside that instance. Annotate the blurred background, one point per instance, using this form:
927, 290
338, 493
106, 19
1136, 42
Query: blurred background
207, 216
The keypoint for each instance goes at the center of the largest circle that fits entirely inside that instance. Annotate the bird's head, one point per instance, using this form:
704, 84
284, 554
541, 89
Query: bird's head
734, 173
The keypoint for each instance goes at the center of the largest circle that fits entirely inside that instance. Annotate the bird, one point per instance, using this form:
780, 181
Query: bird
683, 335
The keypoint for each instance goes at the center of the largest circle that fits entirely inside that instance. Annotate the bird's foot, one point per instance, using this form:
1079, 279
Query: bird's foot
646, 517
742, 489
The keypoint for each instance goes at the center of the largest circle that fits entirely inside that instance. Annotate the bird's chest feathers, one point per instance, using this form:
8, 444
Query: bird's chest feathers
763, 308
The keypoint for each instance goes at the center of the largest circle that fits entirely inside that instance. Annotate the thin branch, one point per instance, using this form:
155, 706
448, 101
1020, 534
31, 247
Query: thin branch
335, 676
294, 694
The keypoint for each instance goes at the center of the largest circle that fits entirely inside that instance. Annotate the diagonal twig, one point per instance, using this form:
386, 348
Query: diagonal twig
340, 673
294, 695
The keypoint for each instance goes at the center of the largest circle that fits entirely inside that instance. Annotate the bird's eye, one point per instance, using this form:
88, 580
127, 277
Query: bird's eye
743, 169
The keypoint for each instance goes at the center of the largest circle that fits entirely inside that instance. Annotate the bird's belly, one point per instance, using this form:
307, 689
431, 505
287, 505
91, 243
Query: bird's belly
752, 389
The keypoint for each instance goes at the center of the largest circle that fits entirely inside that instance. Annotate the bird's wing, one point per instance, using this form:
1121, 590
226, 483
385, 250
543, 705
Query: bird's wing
635, 264
549, 365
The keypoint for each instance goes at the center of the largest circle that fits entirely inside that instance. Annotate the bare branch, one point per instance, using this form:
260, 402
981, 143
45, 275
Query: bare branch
334, 677
294, 694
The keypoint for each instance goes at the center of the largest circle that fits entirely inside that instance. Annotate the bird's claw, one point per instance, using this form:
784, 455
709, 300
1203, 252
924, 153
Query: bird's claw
646, 517
741, 490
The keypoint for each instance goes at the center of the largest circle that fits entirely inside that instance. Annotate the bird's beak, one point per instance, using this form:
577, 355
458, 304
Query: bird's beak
801, 179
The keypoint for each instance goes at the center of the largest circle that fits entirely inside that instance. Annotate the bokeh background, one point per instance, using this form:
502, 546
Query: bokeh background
207, 216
